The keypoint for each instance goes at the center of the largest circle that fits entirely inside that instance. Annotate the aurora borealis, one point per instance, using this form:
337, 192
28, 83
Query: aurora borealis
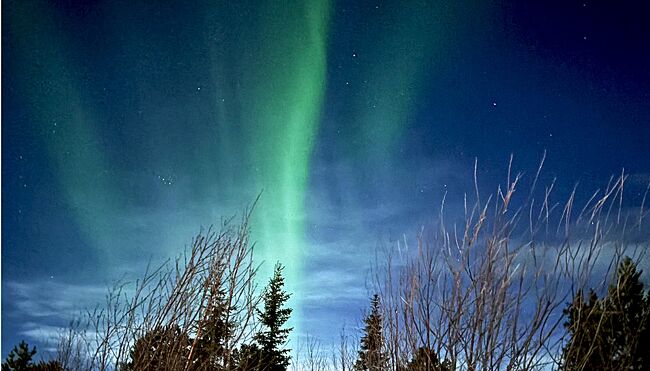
126, 126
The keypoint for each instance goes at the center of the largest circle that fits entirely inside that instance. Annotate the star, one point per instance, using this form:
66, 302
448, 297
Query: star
166, 180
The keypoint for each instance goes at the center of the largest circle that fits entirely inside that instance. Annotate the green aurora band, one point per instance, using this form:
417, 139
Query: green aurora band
53, 98
281, 93
264, 138
267, 67
402, 48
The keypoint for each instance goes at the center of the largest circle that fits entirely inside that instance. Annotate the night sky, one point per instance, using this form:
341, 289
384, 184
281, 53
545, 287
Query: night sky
128, 125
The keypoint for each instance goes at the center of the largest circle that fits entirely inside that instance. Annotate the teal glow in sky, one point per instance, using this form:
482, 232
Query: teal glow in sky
281, 94
126, 126
265, 138
52, 94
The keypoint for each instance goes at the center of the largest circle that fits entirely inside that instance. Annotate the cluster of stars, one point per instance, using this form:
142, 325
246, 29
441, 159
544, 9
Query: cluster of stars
166, 180
21, 178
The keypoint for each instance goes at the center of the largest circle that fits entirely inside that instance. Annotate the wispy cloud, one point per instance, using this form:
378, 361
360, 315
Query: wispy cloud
47, 335
53, 299
40, 312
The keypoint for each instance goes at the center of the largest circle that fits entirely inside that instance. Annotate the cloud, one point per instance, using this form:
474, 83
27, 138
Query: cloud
333, 286
42, 311
47, 335
53, 299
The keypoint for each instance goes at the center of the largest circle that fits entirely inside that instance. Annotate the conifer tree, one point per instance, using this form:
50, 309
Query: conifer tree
587, 348
215, 332
20, 359
610, 333
163, 348
248, 357
626, 306
273, 337
371, 355
425, 359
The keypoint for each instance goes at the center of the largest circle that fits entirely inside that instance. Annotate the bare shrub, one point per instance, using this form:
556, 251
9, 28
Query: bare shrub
489, 294
158, 324
310, 355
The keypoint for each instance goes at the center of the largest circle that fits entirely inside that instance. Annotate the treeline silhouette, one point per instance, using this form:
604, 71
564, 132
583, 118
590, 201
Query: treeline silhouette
518, 283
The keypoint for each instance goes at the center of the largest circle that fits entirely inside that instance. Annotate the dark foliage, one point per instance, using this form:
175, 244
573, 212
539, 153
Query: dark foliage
248, 357
164, 348
20, 359
610, 333
215, 332
273, 337
371, 355
425, 359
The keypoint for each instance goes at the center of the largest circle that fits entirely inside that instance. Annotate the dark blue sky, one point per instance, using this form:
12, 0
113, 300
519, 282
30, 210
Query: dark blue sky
127, 126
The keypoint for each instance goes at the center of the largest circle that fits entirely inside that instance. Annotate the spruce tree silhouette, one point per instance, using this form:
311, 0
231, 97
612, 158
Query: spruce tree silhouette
371, 355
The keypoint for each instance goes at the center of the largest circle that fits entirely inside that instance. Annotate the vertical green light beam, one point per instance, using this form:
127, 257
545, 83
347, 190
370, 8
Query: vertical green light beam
287, 110
279, 88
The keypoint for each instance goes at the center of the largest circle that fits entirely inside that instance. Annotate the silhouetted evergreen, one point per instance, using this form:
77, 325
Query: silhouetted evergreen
215, 332
164, 348
167, 347
20, 359
247, 357
272, 338
426, 359
610, 333
587, 347
371, 355
626, 304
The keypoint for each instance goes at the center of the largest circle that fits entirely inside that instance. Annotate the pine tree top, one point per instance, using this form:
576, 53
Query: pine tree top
273, 337
610, 332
